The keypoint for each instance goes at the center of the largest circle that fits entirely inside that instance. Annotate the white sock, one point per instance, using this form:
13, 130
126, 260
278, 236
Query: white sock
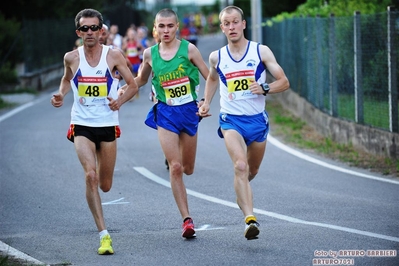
103, 233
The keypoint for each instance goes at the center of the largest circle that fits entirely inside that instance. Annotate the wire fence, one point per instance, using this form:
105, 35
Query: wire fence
344, 66
46, 42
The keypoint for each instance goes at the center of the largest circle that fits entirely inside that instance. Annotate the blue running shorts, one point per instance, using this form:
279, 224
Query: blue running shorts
251, 127
182, 118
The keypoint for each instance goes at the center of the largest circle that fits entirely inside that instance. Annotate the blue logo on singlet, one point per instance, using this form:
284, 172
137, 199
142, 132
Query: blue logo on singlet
251, 63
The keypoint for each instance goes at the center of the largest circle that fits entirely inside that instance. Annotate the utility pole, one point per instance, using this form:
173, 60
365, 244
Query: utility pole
256, 25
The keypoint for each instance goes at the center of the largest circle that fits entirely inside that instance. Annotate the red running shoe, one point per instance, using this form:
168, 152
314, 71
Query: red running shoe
188, 229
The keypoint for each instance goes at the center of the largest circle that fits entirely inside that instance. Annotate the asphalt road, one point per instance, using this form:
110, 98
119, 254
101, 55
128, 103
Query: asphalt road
312, 211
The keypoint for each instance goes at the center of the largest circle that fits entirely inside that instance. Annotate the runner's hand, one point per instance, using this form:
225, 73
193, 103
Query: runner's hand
57, 100
113, 104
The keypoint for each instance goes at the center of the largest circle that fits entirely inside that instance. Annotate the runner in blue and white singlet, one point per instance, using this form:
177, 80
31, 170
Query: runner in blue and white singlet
239, 69
235, 78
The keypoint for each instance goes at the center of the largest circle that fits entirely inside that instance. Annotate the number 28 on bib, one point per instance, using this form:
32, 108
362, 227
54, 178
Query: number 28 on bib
238, 85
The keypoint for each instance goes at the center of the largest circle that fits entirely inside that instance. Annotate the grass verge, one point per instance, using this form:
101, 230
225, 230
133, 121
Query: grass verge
293, 131
4, 104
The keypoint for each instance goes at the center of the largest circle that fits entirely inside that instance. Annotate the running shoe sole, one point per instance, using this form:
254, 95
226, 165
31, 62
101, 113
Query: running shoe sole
189, 233
251, 232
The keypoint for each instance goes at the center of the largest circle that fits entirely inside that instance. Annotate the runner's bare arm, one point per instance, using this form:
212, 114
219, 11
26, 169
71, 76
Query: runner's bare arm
131, 89
145, 68
211, 85
58, 98
196, 58
281, 82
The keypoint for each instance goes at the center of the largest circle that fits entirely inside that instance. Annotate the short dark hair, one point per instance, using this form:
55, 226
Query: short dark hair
229, 9
167, 12
89, 13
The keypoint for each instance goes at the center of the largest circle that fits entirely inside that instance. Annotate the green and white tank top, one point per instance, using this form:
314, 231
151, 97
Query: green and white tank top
176, 81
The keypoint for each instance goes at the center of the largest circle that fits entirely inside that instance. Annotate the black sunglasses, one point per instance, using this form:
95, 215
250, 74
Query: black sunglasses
86, 28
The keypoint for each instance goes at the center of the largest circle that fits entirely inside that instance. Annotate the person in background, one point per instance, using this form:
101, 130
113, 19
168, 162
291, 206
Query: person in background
189, 33
131, 48
198, 22
94, 125
175, 65
193, 36
110, 39
117, 38
239, 70
78, 43
185, 32
104, 35
104, 39
143, 41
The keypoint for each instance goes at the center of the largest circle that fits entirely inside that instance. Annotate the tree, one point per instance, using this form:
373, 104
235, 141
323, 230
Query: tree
18, 19
270, 8
49, 9
340, 8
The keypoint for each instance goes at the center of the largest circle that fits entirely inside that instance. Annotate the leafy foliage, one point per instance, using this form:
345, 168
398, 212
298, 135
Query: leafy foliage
23, 9
270, 8
20, 43
340, 8
10, 53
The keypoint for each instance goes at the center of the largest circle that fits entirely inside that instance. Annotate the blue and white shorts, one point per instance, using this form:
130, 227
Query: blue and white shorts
250, 127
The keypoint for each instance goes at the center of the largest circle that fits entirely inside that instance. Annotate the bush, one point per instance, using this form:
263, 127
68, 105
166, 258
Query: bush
11, 51
8, 74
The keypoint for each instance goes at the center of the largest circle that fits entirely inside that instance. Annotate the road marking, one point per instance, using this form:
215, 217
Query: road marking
207, 227
146, 173
24, 106
16, 110
118, 201
298, 154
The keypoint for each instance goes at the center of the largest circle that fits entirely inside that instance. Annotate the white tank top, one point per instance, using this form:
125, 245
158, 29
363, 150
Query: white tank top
235, 77
91, 86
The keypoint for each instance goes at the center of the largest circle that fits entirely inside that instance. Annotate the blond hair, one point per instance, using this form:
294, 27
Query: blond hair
229, 9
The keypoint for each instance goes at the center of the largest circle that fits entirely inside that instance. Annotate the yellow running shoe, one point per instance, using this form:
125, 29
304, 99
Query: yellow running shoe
106, 246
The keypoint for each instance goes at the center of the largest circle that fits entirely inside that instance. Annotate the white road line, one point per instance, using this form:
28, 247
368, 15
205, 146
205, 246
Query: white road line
207, 227
23, 107
118, 201
298, 154
146, 173
15, 111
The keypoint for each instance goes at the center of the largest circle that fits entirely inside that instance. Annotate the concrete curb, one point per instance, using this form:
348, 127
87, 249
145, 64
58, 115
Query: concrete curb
18, 98
6, 250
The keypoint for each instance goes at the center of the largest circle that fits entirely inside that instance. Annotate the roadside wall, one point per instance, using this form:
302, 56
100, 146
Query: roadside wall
369, 139
43, 79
